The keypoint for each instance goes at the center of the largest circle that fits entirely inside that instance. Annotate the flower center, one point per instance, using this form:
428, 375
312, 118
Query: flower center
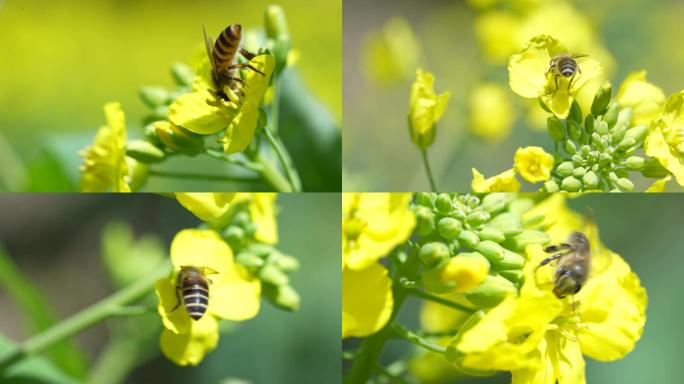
353, 228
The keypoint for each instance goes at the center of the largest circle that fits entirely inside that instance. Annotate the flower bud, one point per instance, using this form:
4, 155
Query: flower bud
449, 228
638, 133
574, 130
635, 162
579, 172
571, 184
137, 173
182, 74
590, 180
565, 169
626, 143
154, 97
432, 254
151, 135
472, 201
454, 246
625, 184
515, 276
495, 202
569, 147
179, 139
551, 186
425, 199
575, 113
476, 218
611, 115
589, 123
618, 133
527, 237
144, 151
443, 203
509, 260
275, 22
577, 160
425, 221
601, 127
234, 234
466, 271
271, 274
249, 259
468, 239
491, 250
601, 99
493, 234
491, 292
283, 296
285, 263
508, 223
555, 128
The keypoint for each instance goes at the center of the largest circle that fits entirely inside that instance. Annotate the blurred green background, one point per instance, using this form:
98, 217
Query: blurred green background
61, 61
378, 153
55, 242
645, 229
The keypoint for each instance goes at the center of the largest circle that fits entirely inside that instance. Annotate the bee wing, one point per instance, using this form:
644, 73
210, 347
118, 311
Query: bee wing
209, 44
601, 258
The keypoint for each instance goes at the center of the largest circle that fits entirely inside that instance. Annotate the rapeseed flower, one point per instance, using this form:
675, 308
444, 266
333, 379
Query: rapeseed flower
262, 211
644, 98
425, 109
206, 206
533, 164
391, 53
665, 140
503, 182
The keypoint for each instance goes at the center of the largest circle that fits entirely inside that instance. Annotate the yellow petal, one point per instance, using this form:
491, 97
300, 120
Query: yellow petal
199, 112
392, 53
174, 316
659, 185
190, 347
366, 300
656, 146
206, 206
561, 362
503, 182
425, 109
436, 317
201, 248
263, 212
526, 70
645, 98
235, 295
533, 164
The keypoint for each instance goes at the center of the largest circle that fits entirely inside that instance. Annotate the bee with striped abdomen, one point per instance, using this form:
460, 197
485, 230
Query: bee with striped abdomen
564, 64
574, 258
221, 56
194, 287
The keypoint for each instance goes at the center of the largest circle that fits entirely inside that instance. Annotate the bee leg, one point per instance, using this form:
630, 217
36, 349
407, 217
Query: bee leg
555, 80
550, 259
247, 54
571, 79
178, 300
238, 66
556, 248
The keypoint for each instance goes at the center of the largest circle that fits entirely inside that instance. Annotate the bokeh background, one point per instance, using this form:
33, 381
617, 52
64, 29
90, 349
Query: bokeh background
55, 242
61, 61
466, 44
646, 231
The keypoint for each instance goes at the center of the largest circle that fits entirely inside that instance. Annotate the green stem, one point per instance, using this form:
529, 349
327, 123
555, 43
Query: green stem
232, 160
185, 175
84, 319
414, 338
394, 378
266, 170
433, 186
285, 160
428, 296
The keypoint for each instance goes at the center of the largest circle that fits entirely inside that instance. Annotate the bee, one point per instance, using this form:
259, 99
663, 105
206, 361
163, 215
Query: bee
193, 286
564, 64
221, 56
574, 258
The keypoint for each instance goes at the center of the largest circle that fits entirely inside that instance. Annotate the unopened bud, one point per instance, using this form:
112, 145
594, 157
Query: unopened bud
137, 173
477, 218
508, 223
527, 237
565, 169
551, 186
468, 239
611, 115
490, 233
182, 74
491, 292
495, 202
569, 147
555, 128
449, 228
154, 97
425, 221
625, 184
273, 275
432, 254
144, 151
283, 296
249, 259
571, 184
601, 99
638, 133
510, 260
575, 113
635, 162
491, 250
443, 203
590, 180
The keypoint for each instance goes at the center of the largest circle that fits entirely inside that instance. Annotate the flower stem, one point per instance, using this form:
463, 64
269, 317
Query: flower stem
285, 160
428, 296
185, 175
433, 186
106, 308
269, 174
406, 334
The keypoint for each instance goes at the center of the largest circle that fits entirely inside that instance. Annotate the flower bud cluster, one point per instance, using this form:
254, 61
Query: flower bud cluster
473, 245
600, 149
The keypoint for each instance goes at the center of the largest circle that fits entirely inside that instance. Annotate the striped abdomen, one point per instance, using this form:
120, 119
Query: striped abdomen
567, 66
226, 46
195, 296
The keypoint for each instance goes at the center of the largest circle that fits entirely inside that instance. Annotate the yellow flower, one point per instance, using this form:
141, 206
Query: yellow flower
503, 182
206, 206
645, 99
262, 210
233, 295
498, 34
530, 77
202, 111
659, 185
391, 53
491, 112
541, 338
373, 224
459, 274
105, 164
366, 300
425, 109
665, 140
533, 164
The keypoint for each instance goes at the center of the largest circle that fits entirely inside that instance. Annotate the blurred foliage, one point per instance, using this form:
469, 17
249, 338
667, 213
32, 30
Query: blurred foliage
465, 44
62, 61
33, 370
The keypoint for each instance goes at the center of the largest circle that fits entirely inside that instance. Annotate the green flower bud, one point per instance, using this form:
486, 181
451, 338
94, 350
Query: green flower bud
635, 163
601, 128
565, 169
555, 128
491, 250
569, 147
510, 260
249, 259
489, 233
285, 263
275, 23
612, 176
154, 96
262, 250
579, 172
271, 274
508, 223
443, 203
425, 199
182, 74
521, 205
527, 237
515, 276
638, 133
477, 218
454, 246
601, 99
575, 113
151, 135
458, 213
144, 151
605, 159
491, 292
449, 228
590, 180
472, 201
160, 112
574, 130
425, 221
595, 137
618, 133
589, 123
577, 160
431, 254
282, 296
571, 184
625, 116
234, 234
475, 255
625, 184
551, 186
495, 202
611, 115
137, 173
654, 170
626, 143
179, 139
468, 239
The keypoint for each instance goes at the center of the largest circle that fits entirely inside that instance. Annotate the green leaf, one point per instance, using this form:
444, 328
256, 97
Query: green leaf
39, 315
32, 370
46, 173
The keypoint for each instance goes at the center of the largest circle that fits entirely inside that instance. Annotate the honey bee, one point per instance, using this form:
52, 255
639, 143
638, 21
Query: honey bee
564, 64
193, 285
221, 56
574, 258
